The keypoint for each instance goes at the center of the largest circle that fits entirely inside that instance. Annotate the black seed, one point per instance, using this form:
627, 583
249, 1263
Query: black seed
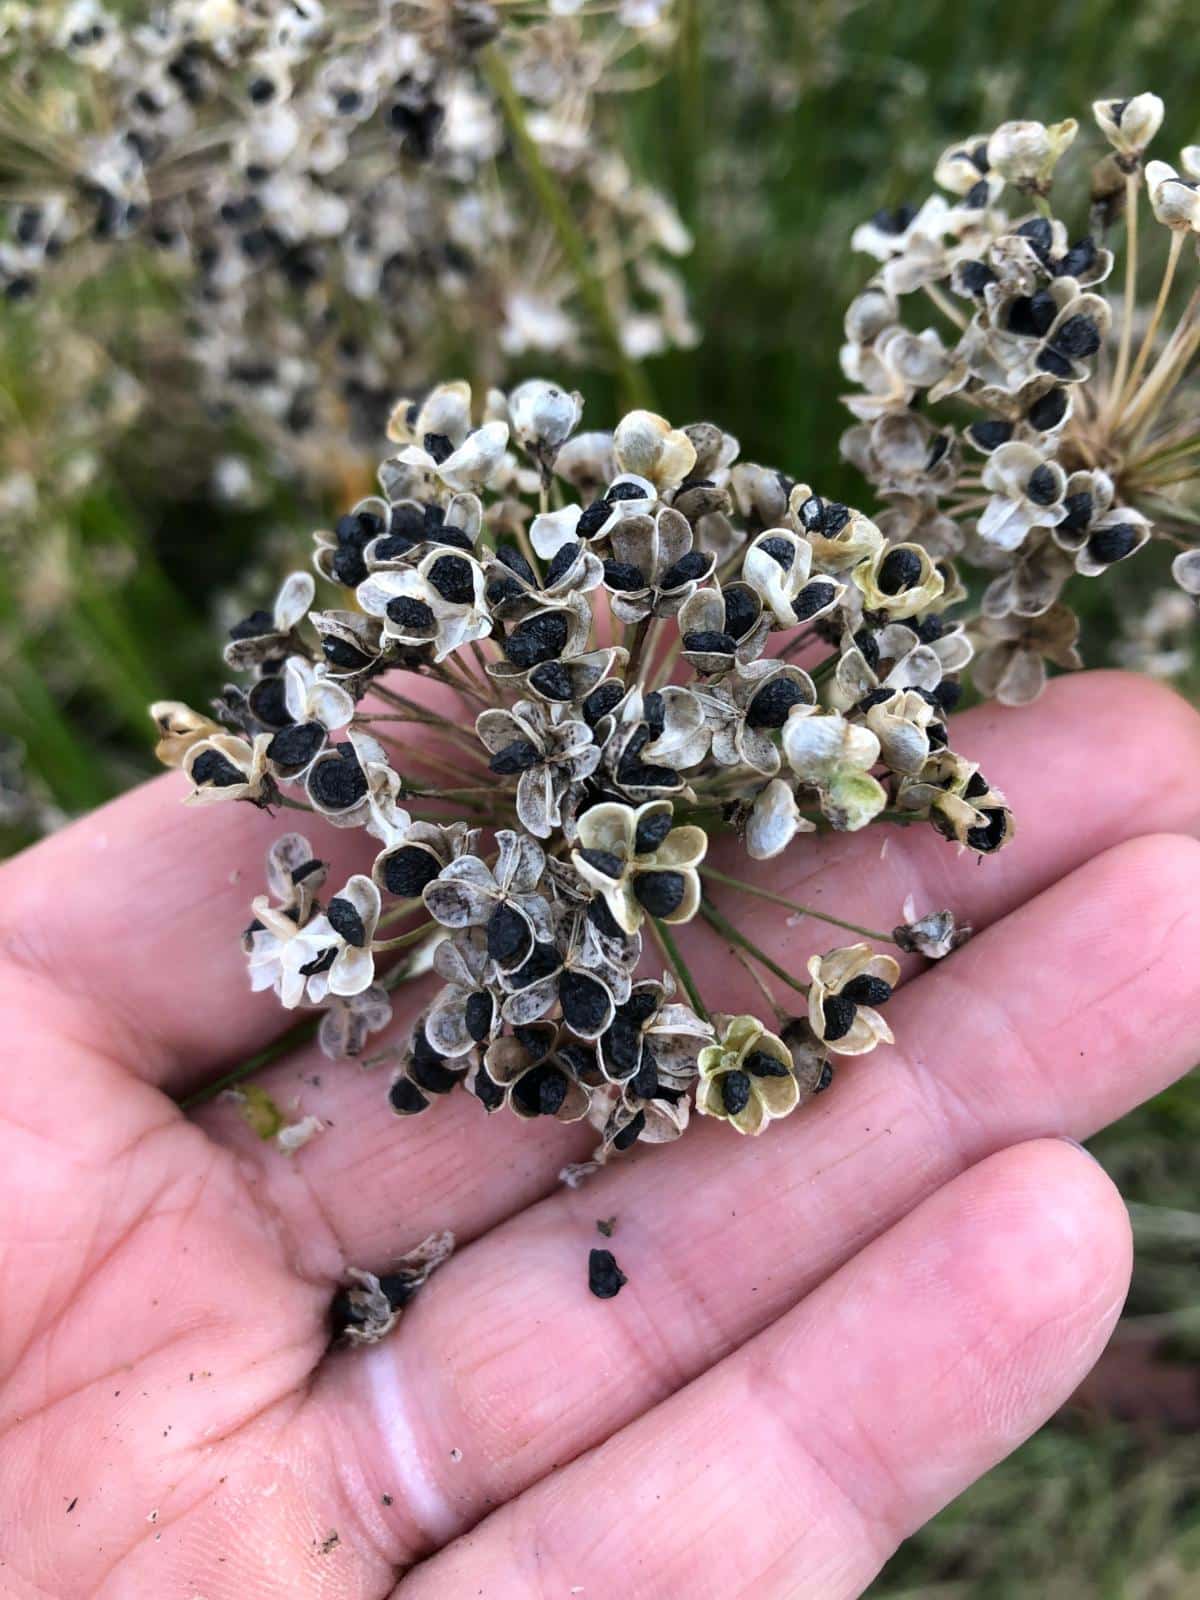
988, 837
564, 559
1080, 258
1047, 412
1080, 510
337, 782
839, 1012
542, 1091
487, 1090
978, 194
593, 519
1043, 485
651, 831
605, 1278
710, 643
867, 991
603, 699
640, 1006
899, 570
1054, 362
1112, 544
321, 963
346, 922
604, 861
410, 614
537, 639
877, 697
742, 609
1037, 230
453, 579
439, 446
585, 1003
656, 712
508, 555
735, 1092
781, 551
508, 936
894, 221
306, 869
686, 570
623, 575
937, 450
660, 892
553, 680
645, 1080
947, 694
1032, 315
541, 962
456, 538
812, 598
406, 871
976, 786
518, 756
629, 1133
930, 630
348, 566
602, 919
392, 547
762, 1065
497, 590
405, 1098
622, 1046
253, 626
340, 653
297, 745
990, 435
217, 771
773, 702
825, 1079
975, 276
625, 491
434, 1076
1078, 336
868, 648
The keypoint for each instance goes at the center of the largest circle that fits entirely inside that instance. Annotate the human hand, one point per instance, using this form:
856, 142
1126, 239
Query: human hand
826, 1333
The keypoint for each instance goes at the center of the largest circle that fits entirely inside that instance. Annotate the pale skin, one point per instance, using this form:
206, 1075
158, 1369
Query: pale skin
827, 1333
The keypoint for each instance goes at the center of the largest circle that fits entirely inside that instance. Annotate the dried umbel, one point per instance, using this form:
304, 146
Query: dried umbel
629, 644
337, 191
1034, 429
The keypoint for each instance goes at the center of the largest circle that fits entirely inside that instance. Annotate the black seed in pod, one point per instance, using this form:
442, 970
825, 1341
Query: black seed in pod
1112, 544
899, 569
839, 1012
651, 831
297, 745
629, 1134
498, 590
626, 491
1049, 411
439, 446
868, 648
405, 1098
866, 990
603, 699
1080, 509
622, 1047
434, 1076
1077, 260
687, 569
660, 892
742, 609
212, 768
605, 1278
321, 963
1054, 362
565, 558
825, 1079
585, 1003
976, 786
337, 782
346, 922
761, 1065
457, 538
930, 630
1037, 230
770, 706
592, 519
518, 756
1078, 337
602, 919
540, 963
453, 579
508, 936
877, 697
640, 1006
975, 276
781, 551
542, 1091
406, 871
605, 861
268, 701
990, 435
644, 1082
487, 1090
990, 835
812, 598
340, 653
623, 576
735, 1092
710, 643
509, 556
254, 626
537, 639
407, 612
348, 566
552, 680
1043, 486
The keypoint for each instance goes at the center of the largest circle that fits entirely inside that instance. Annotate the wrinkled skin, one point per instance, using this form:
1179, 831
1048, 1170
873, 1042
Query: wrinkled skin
826, 1334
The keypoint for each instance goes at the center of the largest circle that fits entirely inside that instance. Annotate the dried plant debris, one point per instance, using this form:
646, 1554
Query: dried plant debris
605, 1278
367, 1308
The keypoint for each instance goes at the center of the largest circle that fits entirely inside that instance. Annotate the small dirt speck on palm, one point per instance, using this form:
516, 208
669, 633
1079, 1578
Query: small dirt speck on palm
605, 1225
605, 1278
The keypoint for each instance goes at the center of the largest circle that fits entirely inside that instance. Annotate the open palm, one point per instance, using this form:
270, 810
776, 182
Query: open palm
826, 1333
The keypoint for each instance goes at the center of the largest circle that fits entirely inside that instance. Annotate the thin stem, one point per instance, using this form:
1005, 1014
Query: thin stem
727, 930
793, 905
639, 645
1132, 185
403, 940
681, 969
299, 1034
1143, 355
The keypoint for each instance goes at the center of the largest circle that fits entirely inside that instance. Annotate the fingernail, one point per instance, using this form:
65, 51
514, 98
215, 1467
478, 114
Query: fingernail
1064, 1138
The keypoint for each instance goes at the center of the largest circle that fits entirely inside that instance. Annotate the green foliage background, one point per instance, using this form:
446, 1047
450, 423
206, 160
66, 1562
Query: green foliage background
778, 126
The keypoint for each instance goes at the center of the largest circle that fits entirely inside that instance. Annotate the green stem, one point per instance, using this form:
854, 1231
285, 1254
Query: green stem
682, 971
727, 930
403, 940
793, 905
299, 1034
558, 213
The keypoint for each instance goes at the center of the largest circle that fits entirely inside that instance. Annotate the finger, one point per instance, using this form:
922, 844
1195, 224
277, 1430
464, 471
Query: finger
376, 1185
797, 1466
718, 1236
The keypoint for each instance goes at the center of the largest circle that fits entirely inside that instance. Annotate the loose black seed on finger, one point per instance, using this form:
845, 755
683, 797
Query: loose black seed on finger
839, 1012
735, 1092
605, 1278
866, 990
